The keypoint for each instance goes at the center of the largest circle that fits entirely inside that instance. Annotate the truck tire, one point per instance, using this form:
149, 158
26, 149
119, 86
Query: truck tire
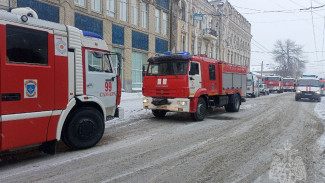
234, 103
297, 98
83, 129
201, 110
159, 113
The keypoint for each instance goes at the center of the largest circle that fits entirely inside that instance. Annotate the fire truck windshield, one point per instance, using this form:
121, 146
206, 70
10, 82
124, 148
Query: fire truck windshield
272, 78
288, 80
309, 82
167, 68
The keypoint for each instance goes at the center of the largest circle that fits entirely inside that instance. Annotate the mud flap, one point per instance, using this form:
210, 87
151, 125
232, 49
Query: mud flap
119, 113
49, 147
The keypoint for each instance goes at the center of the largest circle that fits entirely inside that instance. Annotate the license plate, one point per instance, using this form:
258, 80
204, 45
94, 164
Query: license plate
308, 94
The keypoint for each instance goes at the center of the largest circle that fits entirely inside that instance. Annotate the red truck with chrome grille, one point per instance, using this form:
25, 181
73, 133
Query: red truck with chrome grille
185, 83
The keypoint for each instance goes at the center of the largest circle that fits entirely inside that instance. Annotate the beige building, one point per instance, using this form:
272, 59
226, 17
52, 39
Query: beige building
203, 28
138, 29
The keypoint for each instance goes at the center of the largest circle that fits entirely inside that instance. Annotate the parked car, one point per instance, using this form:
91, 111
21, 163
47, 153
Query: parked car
264, 89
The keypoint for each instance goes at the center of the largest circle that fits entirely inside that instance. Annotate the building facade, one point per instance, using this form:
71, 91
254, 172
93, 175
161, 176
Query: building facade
138, 29
201, 27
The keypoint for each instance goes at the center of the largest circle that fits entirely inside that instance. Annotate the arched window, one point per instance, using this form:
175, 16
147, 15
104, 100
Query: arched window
183, 11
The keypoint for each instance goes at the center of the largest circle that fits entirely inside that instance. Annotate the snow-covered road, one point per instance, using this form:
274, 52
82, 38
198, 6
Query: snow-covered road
225, 147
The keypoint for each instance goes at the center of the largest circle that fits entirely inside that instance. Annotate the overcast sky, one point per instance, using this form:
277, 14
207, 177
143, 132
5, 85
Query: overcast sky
306, 28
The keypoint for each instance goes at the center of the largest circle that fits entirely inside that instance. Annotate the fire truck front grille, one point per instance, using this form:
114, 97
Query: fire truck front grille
165, 92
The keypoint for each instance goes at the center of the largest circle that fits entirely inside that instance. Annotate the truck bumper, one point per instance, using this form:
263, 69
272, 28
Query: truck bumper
274, 88
175, 104
308, 95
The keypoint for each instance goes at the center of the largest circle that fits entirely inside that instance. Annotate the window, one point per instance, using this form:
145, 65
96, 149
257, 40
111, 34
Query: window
97, 62
144, 15
123, 10
157, 20
210, 52
26, 46
163, 68
139, 60
164, 23
212, 72
80, 3
194, 70
134, 7
110, 8
193, 12
198, 48
183, 11
183, 37
96, 5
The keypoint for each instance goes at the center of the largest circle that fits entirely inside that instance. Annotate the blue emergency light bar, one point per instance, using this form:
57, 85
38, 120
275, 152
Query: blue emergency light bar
92, 34
182, 53
309, 76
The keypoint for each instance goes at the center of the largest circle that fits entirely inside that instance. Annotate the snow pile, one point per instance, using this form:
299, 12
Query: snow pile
320, 112
133, 109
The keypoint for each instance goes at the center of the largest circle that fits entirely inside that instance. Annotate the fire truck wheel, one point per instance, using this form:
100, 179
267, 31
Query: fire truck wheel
234, 104
201, 110
83, 129
159, 113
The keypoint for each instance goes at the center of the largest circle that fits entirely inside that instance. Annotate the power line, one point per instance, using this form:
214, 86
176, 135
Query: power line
312, 20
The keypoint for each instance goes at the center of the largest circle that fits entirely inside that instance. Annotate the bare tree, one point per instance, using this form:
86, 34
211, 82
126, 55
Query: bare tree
290, 57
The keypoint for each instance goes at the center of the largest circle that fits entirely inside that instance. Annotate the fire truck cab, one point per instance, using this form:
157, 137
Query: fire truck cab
274, 83
253, 89
186, 83
289, 84
56, 82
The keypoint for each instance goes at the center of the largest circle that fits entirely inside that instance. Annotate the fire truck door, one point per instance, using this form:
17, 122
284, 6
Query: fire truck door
194, 80
101, 81
27, 84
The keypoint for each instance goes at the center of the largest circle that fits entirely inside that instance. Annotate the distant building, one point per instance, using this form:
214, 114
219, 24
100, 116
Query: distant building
226, 25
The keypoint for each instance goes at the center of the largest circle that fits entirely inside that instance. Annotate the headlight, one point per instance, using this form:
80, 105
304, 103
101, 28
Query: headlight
298, 91
182, 103
145, 100
318, 92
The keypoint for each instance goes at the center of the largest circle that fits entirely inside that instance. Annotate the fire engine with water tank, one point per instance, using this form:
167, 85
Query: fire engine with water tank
57, 82
186, 83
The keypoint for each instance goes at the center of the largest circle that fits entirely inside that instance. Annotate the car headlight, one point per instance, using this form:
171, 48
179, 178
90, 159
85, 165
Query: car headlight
318, 92
182, 103
298, 91
145, 100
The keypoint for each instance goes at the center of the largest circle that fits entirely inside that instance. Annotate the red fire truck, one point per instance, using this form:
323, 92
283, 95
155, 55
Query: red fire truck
57, 82
185, 83
274, 83
288, 84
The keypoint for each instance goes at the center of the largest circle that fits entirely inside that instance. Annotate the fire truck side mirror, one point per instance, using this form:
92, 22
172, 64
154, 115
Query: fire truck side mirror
98, 54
